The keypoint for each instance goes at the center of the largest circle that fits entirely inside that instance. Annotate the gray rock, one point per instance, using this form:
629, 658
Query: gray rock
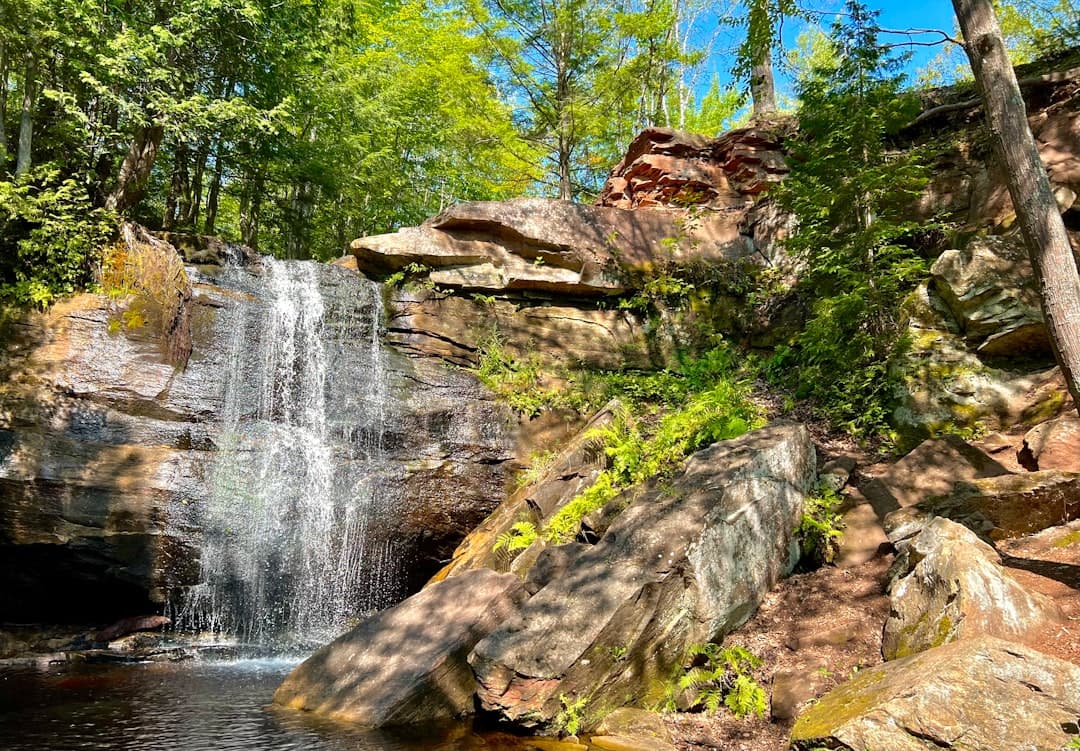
982, 694
406, 665
686, 563
954, 587
990, 289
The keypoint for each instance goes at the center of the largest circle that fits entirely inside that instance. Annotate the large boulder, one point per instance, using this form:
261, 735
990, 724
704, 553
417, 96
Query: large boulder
930, 469
952, 586
944, 386
406, 665
990, 289
981, 694
686, 563
1010, 505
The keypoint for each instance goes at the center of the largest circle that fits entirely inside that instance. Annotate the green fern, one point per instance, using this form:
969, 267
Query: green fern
725, 678
519, 537
570, 718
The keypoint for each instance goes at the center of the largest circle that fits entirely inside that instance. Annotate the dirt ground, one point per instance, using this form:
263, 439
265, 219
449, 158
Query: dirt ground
821, 627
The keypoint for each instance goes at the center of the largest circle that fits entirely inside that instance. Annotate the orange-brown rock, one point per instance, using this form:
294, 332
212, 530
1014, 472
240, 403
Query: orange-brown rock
670, 168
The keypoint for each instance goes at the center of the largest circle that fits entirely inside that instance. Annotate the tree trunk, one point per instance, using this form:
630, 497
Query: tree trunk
135, 169
26, 122
762, 87
177, 186
214, 194
194, 200
250, 208
760, 41
1036, 210
3, 104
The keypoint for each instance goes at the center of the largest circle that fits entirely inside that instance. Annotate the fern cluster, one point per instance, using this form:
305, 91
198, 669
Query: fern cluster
725, 677
821, 528
641, 447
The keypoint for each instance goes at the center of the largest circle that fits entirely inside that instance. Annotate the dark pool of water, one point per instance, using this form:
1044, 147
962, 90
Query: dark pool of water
189, 706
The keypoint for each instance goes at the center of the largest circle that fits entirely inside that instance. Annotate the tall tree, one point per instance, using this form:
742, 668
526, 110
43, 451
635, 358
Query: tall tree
1036, 210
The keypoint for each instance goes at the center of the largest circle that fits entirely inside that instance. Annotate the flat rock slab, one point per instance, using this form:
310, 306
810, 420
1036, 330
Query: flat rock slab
954, 587
406, 664
982, 694
931, 468
686, 563
1011, 505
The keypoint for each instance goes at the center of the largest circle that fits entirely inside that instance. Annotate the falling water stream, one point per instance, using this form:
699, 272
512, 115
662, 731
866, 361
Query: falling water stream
293, 540
291, 547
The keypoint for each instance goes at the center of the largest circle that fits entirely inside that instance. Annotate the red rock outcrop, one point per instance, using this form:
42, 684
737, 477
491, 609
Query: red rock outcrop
670, 168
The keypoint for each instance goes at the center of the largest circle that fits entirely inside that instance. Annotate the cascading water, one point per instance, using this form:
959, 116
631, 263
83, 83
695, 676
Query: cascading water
291, 547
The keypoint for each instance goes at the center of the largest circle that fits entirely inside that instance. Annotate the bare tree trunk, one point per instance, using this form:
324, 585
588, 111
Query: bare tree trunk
762, 86
135, 169
177, 185
26, 122
250, 208
3, 104
214, 194
194, 200
1036, 210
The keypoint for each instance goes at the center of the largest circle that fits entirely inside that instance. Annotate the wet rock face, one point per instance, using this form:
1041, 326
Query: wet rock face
107, 453
687, 562
99, 439
982, 693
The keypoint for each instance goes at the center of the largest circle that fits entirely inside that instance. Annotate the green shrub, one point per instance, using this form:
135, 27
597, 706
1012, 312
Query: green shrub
571, 716
853, 196
50, 237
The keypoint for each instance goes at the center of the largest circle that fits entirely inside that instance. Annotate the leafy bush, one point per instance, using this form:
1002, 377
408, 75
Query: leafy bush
148, 276
724, 675
641, 446
50, 237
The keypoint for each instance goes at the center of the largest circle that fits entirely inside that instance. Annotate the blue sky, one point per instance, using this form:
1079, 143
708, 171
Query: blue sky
896, 15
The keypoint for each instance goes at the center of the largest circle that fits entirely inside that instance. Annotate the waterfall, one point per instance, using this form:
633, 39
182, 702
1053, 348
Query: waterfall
291, 546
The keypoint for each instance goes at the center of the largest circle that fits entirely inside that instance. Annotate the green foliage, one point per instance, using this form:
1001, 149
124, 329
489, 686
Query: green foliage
50, 237
724, 675
568, 720
1034, 28
821, 528
520, 536
565, 524
852, 197
640, 444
